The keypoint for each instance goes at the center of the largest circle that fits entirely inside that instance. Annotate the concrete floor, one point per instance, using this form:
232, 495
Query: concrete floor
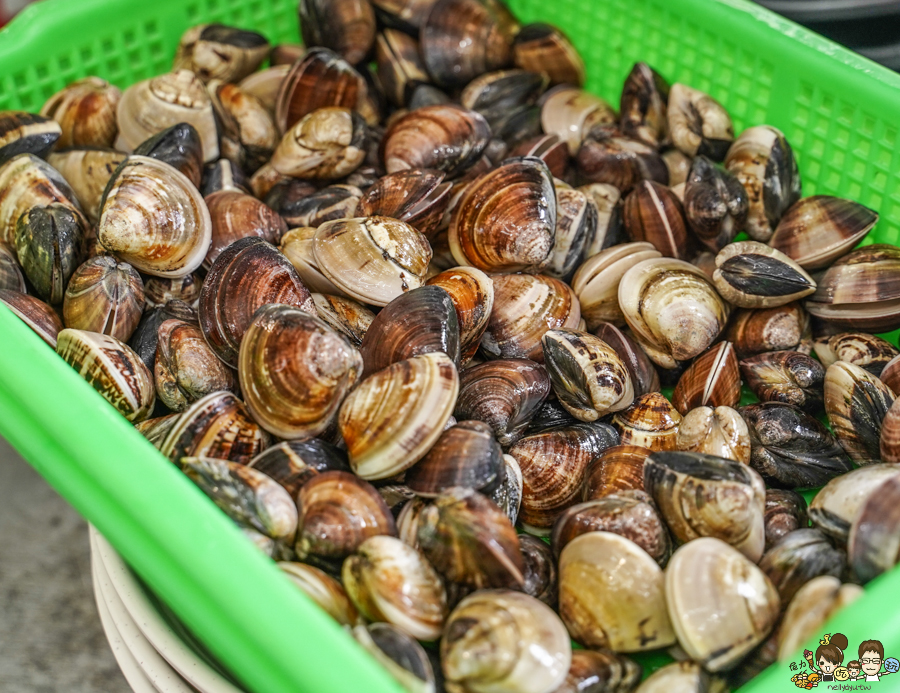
51, 640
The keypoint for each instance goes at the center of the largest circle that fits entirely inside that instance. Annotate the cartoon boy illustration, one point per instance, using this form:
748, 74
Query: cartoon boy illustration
871, 657
854, 669
830, 655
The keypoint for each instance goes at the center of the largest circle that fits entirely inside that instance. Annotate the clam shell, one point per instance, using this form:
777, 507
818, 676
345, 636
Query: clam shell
652, 213
611, 594
324, 590
400, 66
651, 422
470, 540
553, 465
715, 204
472, 294
372, 259
337, 512
764, 163
246, 495
153, 217
421, 321
705, 496
22, 132
541, 581
400, 655
596, 283
642, 106
299, 204
217, 425
788, 377
587, 375
712, 380
678, 165
721, 605
606, 668
644, 377
753, 275
179, 146
720, 432
264, 85
890, 375
506, 99
326, 144
390, 581
112, 369
684, 677
549, 149
87, 171
889, 445
235, 215
50, 245
297, 246
817, 230
837, 505
105, 296
545, 48
417, 196
768, 329
570, 113
155, 430
504, 641
145, 339
615, 470
609, 231
394, 417
216, 51
158, 291
507, 218
344, 315
508, 495
856, 403
859, 348
504, 393
11, 278
39, 316
247, 275
785, 512
608, 157
698, 124
295, 371
525, 307
576, 225
295, 462
673, 306
799, 557
346, 27
873, 546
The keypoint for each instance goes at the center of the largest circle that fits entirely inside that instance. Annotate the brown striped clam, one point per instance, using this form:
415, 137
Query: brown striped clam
715, 204
698, 124
801, 556
859, 348
506, 219
549, 149
216, 51
86, 112
217, 425
596, 283
39, 316
421, 321
769, 329
293, 463
750, 274
785, 512
786, 376
856, 403
156, 429
179, 146
873, 547
394, 417
613, 159
11, 278
721, 432
702, 495
653, 214
642, 106
838, 504
417, 196
611, 594
325, 144
154, 218
890, 374
22, 132
817, 230
112, 368
158, 291
295, 371
324, 590
644, 377
651, 422
400, 66
247, 275
587, 375
344, 315
541, 579
235, 215
346, 27
297, 247
713, 380
372, 259
106, 296
545, 48
571, 113
576, 225
472, 294
617, 470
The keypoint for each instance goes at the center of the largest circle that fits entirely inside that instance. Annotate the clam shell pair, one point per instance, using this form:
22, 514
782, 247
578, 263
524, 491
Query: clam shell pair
856, 403
105, 296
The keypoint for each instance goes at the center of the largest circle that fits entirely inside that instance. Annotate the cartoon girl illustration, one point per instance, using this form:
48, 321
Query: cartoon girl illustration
871, 657
830, 655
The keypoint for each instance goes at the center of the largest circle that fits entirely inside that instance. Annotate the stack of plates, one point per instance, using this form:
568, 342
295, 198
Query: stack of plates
154, 651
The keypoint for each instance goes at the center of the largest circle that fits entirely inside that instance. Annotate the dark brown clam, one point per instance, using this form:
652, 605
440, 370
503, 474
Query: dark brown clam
462, 39
553, 466
651, 422
785, 512
859, 348
465, 455
644, 377
544, 48
504, 393
299, 204
506, 220
615, 471
408, 15
786, 376
469, 540
600, 670
295, 371
541, 580
346, 26
652, 213
293, 463
889, 444
145, 338
345, 315
400, 66
861, 291
571, 114
86, 113
179, 146
698, 124
449, 138
818, 229
607, 157
337, 512
791, 449
856, 402
327, 144
873, 546
418, 197
750, 274
247, 133
39, 316
105, 296
472, 294
236, 215
576, 225
768, 329
642, 107
11, 278
247, 275
549, 149
715, 204
50, 245
799, 557
525, 307
217, 425
418, 322
713, 380
630, 515
551, 414
322, 78
158, 291
186, 369
890, 374
28, 133
503, 97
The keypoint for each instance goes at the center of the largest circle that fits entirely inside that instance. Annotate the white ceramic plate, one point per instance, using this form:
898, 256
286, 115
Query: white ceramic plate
153, 626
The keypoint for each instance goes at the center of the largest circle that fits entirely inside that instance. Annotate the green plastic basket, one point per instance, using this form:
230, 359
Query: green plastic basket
840, 112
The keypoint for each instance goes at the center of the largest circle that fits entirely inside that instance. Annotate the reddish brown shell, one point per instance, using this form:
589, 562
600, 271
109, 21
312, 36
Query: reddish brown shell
651, 422
616, 469
653, 213
713, 379
236, 215
417, 196
472, 293
768, 329
38, 315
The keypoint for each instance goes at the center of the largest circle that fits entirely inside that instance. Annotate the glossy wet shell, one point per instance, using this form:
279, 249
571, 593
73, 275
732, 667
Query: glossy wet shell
186, 369
112, 368
650, 422
788, 377
616, 469
86, 112
294, 463
394, 417
652, 213
416, 196
753, 275
87, 171
472, 294
873, 547
721, 432
785, 512
105, 296
611, 594
324, 590
769, 329
712, 380
798, 558
326, 144
811, 607
345, 316
837, 505
39, 316
859, 348
644, 377
721, 605
235, 215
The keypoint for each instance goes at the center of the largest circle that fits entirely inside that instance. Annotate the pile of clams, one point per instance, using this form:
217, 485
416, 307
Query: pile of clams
486, 363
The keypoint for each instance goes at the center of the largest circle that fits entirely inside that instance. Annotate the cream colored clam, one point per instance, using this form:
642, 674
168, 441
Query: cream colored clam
813, 604
721, 432
297, 246
87, 171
